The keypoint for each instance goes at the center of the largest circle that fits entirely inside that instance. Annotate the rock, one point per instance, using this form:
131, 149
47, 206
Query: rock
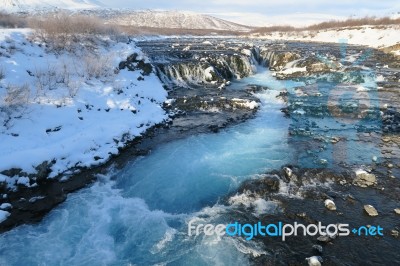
364, 179
371, 210
281, 59
395, 233
43, 171
335, 140
390, 165
318, 248
374, 158
288, 172
324, 239
146, 68
397, 210
271, 183
314, 261
330, 205
12, 172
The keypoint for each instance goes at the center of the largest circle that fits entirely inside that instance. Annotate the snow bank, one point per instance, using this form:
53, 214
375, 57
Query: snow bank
3, 215
373, 36
81, 122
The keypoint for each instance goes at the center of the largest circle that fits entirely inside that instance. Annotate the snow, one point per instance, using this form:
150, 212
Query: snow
246, 52
5, 206
83, 129
170, 19
373, 36
293, 70
246, 103
3, 215
208, 73
29, 5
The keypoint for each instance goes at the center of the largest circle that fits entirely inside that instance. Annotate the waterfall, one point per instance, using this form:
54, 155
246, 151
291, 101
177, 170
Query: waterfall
213, 70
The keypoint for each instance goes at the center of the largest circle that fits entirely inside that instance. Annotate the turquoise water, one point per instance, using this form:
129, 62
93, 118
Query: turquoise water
138, 215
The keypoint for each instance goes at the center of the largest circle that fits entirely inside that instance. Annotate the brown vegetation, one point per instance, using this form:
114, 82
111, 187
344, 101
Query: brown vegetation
69, 32
351, 22
130, 30
11, 21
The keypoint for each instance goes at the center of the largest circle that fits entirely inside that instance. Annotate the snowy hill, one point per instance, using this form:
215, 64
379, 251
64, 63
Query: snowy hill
34, 5
168, 19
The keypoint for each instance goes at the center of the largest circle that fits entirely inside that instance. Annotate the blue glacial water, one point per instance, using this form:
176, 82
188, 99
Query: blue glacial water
138, 215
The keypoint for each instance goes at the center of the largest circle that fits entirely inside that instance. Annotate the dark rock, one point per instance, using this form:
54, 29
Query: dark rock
43, 171
146, 68
12, 172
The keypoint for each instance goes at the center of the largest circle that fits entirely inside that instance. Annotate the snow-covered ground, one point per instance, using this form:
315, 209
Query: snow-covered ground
74, 110
30, 5
170, 19
373, 36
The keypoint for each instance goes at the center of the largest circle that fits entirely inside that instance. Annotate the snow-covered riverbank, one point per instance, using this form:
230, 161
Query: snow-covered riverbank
69, 109
372, 36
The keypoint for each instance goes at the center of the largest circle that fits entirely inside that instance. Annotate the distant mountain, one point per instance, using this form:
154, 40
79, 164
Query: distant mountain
172, 20
50, 5
146, 18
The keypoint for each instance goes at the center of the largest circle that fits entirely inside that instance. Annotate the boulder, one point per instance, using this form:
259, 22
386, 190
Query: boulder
371, 210
318, 248
364, 179
314, 261
272, 183
330, 205
288, 172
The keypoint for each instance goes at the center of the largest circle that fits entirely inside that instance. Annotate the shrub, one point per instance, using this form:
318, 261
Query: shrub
13, 103
351, 22
11, 21
69, 32
45, 79
97, 67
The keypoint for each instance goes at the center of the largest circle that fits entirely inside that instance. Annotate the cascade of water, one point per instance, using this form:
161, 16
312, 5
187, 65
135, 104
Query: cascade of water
140, 218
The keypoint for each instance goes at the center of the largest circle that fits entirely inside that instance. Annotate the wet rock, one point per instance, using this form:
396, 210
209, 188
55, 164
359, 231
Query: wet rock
271, 183
364, 179
282, 59
371, 210
255, 88
288, 172
330, 205
262, 186
318, 248
397, 211
324, 239
314, 261
335, 140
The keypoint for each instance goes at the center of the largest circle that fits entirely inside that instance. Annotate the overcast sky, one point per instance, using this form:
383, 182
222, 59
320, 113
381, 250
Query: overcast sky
261, 12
